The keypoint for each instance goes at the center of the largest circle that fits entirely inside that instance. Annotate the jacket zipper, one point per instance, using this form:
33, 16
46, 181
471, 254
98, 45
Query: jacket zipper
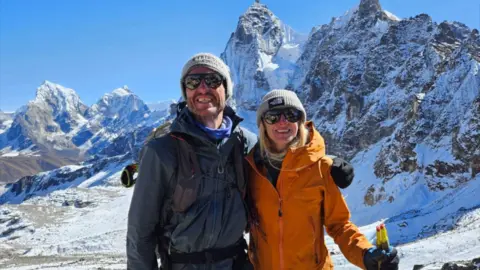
220, 172
314, 231
280, 217
280, 214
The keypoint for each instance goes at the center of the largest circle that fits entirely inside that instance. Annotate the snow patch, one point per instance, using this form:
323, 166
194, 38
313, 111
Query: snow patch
391, 16
122, 91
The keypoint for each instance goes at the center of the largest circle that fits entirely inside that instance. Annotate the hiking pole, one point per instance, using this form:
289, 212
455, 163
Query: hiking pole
382, 240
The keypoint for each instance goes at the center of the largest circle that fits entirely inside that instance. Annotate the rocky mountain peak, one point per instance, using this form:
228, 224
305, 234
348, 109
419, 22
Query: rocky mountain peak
257, 20
120, 107
48, 90
58, 99
369, 7
119, 97
124, 91
270, 46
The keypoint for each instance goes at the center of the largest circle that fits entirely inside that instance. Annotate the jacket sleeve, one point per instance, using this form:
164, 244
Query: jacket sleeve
346, 235
145, 208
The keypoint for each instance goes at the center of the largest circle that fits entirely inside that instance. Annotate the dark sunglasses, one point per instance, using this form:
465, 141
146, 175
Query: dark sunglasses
291, 115
212, 80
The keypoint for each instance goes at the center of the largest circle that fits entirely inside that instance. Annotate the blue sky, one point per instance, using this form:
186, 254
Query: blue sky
95, 46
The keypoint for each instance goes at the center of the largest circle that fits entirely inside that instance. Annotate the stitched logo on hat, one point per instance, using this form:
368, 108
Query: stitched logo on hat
274, 102
206, 61
200, 58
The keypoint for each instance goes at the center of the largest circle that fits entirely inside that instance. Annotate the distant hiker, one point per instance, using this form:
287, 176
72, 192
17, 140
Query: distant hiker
188, 201
293, 197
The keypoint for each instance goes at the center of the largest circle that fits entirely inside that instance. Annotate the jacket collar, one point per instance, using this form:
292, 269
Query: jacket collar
184, 123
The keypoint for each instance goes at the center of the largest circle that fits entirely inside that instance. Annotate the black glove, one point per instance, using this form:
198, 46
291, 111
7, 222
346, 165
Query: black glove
342, 172
389, 259
127, 175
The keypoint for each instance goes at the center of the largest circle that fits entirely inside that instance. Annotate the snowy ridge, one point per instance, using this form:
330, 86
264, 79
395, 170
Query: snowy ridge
88, 175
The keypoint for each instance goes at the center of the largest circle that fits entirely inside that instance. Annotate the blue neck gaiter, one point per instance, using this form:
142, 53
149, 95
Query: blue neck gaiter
220, 133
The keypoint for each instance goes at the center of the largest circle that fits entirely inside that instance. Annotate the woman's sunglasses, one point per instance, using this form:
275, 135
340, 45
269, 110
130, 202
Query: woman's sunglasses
212, 80
291, 115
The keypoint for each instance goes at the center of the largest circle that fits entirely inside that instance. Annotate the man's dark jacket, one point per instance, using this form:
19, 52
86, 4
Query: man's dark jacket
216, 219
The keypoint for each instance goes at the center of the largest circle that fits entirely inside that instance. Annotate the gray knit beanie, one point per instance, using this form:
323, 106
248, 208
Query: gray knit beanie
214, 63
278, 99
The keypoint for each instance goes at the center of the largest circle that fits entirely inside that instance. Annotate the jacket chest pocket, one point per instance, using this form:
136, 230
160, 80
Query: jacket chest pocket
309, 199
185, 193
197, 184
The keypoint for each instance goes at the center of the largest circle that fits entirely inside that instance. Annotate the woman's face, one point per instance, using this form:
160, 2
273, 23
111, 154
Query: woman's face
281, 126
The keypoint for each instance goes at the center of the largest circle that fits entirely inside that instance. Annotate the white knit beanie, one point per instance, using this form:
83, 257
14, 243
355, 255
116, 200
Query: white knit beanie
278, 99
214, 63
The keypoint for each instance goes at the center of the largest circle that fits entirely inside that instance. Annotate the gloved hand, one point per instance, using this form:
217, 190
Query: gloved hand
389, 259
127, 175
342, 172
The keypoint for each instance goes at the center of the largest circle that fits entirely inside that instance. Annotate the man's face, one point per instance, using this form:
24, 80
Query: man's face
205, 100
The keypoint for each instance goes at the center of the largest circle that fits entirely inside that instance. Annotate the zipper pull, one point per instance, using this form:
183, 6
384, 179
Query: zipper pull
220, 169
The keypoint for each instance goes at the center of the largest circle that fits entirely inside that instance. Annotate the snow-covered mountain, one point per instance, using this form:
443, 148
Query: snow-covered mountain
404, 93
271, 49
114, 114
118, 109
36, 137
400, 98
58, 125
45, 121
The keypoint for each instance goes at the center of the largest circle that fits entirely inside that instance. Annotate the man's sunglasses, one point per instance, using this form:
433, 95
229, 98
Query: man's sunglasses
212, 80
291, 115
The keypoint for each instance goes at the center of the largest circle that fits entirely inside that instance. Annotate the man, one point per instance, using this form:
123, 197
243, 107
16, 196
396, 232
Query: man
199, 223
188, 201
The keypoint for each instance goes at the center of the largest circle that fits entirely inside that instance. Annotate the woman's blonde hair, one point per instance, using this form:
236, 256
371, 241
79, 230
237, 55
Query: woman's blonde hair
266, 144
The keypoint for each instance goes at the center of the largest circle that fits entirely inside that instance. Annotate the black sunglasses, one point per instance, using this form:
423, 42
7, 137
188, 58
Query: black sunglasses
212, 80
291, 115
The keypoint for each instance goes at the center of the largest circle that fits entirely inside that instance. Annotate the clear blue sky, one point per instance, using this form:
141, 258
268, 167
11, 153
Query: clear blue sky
95, 46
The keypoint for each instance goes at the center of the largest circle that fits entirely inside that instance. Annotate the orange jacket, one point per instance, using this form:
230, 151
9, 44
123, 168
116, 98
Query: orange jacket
286, 230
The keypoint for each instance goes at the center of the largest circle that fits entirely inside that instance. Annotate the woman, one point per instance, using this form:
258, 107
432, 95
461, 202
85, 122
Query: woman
293, 196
